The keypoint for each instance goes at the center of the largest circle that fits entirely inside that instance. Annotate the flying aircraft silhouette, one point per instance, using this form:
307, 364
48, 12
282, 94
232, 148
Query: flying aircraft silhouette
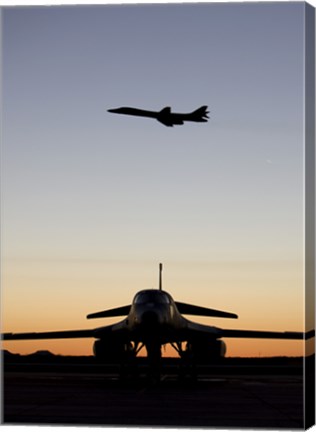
152, 320
165, 116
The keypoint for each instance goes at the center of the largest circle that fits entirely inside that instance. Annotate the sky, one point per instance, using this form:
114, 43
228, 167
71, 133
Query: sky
93, 201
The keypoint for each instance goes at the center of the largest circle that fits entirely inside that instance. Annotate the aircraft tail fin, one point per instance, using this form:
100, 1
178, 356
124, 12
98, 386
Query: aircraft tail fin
160, 276
201, 114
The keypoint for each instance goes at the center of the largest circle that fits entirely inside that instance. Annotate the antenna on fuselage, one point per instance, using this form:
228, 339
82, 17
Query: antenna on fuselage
160, 281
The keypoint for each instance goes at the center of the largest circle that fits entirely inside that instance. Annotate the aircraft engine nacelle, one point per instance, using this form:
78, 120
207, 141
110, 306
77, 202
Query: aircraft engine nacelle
112, 351
221, 348
206, 351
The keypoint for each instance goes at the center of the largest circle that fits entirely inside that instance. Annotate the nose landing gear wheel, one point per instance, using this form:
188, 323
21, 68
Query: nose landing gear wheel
154, 361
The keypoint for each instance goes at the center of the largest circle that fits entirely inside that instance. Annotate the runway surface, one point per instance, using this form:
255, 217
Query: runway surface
214, 400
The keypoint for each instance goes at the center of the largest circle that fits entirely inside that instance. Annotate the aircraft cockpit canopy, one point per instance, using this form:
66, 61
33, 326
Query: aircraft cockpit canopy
152, 296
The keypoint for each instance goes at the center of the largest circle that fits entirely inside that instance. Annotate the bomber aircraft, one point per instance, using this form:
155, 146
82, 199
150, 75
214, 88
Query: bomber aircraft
165, 116
153, 320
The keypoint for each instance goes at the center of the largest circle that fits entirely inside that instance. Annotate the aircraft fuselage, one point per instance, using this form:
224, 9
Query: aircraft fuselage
166, 116
153, 314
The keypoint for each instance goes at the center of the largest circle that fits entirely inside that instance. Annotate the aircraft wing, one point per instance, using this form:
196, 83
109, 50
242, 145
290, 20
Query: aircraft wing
189, 309
67, 334
119, 311
96, 333
196, 330
259, 334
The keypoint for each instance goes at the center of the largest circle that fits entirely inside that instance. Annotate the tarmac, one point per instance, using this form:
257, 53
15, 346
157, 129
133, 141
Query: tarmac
216, 399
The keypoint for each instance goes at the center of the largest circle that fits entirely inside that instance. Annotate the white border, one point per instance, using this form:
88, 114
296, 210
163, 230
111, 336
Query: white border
100, 2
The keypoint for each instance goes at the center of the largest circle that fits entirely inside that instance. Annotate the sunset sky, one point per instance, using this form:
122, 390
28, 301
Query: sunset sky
93, 201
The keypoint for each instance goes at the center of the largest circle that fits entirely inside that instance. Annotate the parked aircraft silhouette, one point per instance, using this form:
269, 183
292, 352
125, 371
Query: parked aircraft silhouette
165, 116
152, 320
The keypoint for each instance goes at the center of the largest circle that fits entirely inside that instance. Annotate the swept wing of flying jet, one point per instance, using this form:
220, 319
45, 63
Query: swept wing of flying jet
152, 320
165, 116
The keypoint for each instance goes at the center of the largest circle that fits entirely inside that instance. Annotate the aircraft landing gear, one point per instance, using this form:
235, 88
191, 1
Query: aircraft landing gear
128, 366
154, 361
187, 366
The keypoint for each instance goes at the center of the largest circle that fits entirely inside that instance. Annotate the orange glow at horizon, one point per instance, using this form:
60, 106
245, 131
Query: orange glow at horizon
235, 348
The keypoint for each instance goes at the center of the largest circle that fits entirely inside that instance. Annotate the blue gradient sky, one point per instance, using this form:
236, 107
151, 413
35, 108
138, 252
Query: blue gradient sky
93, 201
